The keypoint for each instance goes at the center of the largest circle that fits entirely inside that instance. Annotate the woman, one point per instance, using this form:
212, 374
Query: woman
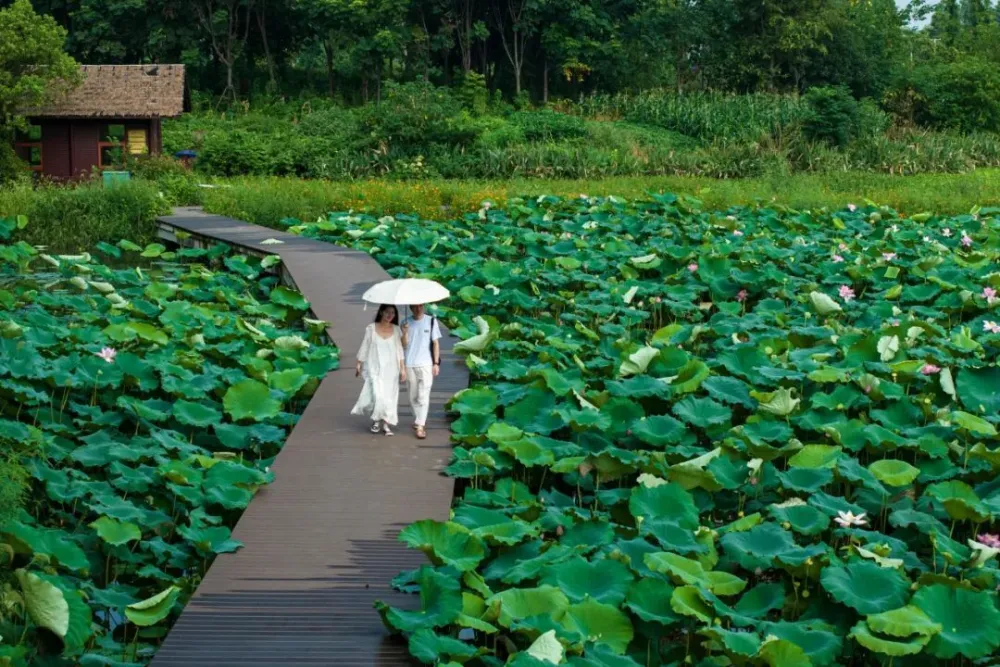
381, 354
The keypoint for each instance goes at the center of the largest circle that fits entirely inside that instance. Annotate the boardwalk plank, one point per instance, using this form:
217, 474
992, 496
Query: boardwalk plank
320, 542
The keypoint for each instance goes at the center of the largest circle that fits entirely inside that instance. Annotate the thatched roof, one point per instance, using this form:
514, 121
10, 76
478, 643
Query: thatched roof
122, 91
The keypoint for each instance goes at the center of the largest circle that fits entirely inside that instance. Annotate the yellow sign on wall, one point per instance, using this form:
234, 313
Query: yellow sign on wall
137, 142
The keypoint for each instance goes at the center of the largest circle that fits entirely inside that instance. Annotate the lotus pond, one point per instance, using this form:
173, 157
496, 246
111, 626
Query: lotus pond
749, 437
140, 409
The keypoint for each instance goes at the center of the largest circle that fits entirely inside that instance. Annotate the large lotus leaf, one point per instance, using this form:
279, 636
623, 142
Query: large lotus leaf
601, 656
600, 624
970, 622
805, 480
478, 400
289, 298
816, 456
547, 648
730, 391
517, 604
659, 431
903, 622
603, 580
116, 533
56, 544
866, 587
45, 603
891, 646
153, 610
759, 546
667, 502
761, 599
820, 642
976, 388
959, 499
250, 399
445, 543
440, 603
702, 412
803, 519
429, 648
894, 472
196, 414
973, 424
638, 362
649, 599
742, 644
687, 601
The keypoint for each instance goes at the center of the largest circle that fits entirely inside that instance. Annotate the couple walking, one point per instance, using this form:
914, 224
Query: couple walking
391, 354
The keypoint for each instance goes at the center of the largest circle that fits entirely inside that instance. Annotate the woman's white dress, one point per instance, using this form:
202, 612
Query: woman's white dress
380, 358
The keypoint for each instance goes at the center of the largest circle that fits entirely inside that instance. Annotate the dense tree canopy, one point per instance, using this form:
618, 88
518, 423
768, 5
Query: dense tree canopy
532, 48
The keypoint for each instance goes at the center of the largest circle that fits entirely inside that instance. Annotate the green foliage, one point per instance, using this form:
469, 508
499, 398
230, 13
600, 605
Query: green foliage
832, 116
96, 213
33, 66
471, 91
963, 95
680, 434
144, 416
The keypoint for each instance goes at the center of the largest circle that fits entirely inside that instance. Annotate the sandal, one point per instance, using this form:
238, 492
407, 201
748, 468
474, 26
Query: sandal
376, 427
421, 433
385, 430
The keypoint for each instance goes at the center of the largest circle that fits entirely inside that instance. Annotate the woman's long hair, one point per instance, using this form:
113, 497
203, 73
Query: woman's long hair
383, 308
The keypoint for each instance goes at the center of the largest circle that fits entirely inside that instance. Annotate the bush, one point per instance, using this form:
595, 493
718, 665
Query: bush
963, 95
548, 125
832, 115
472, 92
12, 169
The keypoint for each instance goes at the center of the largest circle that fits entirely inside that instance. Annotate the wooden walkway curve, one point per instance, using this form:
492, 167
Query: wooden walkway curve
320, 542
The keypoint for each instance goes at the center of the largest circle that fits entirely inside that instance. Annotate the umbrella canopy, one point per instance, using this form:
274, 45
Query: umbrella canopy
406, 292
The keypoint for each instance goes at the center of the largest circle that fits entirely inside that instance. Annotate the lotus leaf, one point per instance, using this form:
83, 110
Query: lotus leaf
599, 624
445, 543
603, 580
969, 620
865, 586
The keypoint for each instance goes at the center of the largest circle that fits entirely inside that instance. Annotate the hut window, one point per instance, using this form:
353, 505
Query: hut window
28, 146
111, 151
137, 141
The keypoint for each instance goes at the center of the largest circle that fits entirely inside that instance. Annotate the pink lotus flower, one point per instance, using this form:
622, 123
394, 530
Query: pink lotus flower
108, 354
990, 295
692, 267
846, 293
742, 296
848, 519
737, 232
888, 256
487, 205
966, 240
753, 481
989, 540
852, 208
946, 232
930, 369
656, 299
837, 259
991, 327
842, 247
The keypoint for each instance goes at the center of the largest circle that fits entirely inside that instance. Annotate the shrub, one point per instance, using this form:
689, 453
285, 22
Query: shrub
832, 116
472, 92
963, 95
548, 125
411, 115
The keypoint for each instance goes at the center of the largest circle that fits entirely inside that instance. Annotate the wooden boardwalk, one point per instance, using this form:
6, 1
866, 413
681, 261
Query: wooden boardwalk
320, 542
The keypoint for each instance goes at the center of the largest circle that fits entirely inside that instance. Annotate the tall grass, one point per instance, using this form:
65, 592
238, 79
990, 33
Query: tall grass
268, 201
68, 219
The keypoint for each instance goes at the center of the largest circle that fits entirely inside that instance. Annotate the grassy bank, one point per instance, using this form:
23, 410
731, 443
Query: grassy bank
68, 219
266, 201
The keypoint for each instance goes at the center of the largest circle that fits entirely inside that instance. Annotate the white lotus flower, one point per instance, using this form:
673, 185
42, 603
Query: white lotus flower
848, 519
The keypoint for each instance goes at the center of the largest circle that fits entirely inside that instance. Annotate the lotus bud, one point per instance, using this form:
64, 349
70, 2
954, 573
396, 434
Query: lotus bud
805, 593
786, 525
758, 572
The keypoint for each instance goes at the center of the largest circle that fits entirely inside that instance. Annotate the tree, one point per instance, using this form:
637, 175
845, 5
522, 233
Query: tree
34, 68
516, 21
976, 12
227, 25
946, 22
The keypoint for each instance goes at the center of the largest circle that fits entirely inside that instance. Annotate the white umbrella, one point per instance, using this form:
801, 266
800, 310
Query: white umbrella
406, 292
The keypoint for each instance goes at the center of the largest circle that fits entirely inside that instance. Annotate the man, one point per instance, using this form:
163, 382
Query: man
421, 338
